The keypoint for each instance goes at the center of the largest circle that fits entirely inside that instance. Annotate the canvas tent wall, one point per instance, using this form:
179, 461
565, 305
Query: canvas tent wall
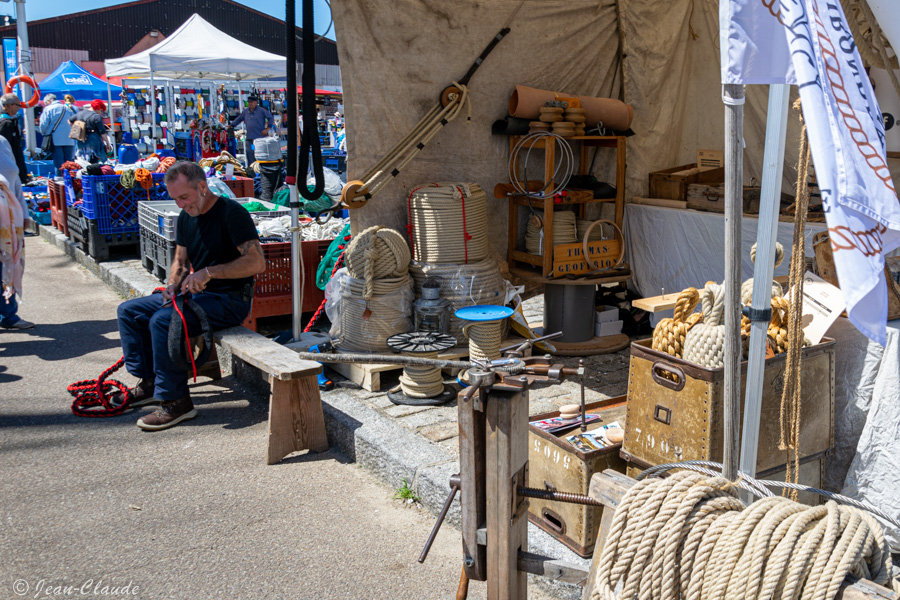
662, 58
197, 50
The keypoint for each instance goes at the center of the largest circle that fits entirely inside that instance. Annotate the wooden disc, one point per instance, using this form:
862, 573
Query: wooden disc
597, 345
563, 125
551, 117
450, 94
556, 110
575, 110
353, 194
576, 118
538, 125
615, 434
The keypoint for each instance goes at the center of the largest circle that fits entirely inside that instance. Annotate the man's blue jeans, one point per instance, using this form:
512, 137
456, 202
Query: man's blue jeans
8, 312
144, 331
61, 154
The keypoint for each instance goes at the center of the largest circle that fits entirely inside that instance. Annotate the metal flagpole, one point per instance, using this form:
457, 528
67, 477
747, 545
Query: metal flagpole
733, 97
112, 119
152, 114
760, 312
290, 21
25, 68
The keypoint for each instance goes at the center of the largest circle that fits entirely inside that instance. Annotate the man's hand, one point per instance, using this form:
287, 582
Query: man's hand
169, 292
196, 281
265, 131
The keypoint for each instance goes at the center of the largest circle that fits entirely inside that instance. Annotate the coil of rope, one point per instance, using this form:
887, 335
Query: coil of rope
165, 163
377, 253
564, 231
448, 223
777, 331
747, 285
562, 171
463, 285
421, 381
704, 344
94, 397
367, 323
220, 161
582, 226
689, 536
669, 334
484, 339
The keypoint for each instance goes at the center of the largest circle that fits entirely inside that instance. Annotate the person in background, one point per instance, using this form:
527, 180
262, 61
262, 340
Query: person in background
9, 129
97, 143
55, 123
11, 270
257, 121
69, 99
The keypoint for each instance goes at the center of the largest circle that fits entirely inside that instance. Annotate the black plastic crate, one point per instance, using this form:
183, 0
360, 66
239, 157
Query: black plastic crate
85, 233
157, 254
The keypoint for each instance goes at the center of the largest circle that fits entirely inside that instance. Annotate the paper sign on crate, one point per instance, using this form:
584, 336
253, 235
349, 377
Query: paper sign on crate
569, 259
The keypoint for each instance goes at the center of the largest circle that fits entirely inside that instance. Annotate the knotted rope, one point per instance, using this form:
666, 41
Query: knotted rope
145, 178
747, 286
688, 536
164, 164
448, 223
377, 253
668, 336
220, 161
704, 344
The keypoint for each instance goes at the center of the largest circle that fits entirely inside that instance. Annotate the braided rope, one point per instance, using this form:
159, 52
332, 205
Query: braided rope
448, 223
704, 344
688, 536
668, 335
94, 397
420, 381
747, 286
377, 253
367, 322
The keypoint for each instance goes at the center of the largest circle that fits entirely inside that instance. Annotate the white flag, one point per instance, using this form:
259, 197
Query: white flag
846, 135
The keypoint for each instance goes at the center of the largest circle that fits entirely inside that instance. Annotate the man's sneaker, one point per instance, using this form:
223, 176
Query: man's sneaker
141, 395
168, 415
20, 324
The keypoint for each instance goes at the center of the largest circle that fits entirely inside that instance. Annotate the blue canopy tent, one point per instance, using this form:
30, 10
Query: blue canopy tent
69, 78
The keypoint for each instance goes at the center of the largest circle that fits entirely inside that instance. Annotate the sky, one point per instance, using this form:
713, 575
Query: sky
43, 9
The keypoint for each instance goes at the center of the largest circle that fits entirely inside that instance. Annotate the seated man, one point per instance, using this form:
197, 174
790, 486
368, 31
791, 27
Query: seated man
217, 238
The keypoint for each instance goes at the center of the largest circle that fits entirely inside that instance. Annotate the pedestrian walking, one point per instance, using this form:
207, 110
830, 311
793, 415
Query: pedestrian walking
93, 144
14, 221
9, 129
56, 139
257, 121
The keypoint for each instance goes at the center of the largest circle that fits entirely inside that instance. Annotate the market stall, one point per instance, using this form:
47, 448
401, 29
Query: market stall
84, 86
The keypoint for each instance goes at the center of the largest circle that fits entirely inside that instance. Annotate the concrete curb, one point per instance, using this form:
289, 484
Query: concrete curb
390, 451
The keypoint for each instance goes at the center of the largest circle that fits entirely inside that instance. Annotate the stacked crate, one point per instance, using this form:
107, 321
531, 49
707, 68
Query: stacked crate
59, 215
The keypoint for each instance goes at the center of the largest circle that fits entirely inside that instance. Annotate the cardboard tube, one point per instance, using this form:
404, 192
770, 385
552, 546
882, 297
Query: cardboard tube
526, 103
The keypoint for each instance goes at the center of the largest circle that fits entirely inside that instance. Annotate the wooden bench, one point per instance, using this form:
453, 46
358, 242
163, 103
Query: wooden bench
296, 420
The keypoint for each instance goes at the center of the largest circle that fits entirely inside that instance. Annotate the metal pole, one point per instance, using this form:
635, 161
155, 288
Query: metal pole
152, 114
240, 109
290, 21
112, 118
733, 97
25, 68
770, 196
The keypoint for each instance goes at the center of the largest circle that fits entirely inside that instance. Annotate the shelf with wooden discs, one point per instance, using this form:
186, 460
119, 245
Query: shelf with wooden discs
564, 263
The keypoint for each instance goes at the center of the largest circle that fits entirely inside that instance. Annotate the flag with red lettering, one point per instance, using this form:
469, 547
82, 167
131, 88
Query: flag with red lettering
846, 132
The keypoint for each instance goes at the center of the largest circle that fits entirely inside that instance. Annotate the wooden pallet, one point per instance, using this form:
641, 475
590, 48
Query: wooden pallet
368, 375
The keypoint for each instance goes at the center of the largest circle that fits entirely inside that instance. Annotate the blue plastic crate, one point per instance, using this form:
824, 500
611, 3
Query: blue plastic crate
70, 189
42, 217
40, 168
114, 207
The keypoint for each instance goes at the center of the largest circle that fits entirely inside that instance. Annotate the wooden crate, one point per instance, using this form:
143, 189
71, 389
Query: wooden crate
555, 464
672, 183
711, 198
674, 409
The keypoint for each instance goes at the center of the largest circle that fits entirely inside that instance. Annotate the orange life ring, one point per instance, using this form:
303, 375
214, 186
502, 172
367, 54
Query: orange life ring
35, 97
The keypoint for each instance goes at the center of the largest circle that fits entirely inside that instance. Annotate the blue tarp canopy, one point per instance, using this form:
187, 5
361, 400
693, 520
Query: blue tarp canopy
69, 78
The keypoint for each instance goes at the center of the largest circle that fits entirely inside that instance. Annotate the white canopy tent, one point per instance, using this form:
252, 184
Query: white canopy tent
197, 50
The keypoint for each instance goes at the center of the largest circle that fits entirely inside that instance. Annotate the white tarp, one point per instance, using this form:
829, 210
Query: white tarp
197, 50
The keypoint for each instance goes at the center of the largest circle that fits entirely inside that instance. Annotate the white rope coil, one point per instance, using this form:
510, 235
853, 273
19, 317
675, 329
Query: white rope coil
377, 253
704, 344
463, 285
484, 339
564, 231
448, 223
688, 536
367, 323
562, 171
421, 382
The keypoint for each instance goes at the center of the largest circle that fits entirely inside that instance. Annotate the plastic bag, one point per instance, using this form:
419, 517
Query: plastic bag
362, 325
333, 183
219, 188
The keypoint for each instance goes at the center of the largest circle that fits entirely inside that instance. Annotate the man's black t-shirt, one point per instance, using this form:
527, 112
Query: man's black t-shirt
212, 239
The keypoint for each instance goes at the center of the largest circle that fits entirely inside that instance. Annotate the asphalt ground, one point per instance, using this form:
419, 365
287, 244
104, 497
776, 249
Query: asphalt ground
90, 506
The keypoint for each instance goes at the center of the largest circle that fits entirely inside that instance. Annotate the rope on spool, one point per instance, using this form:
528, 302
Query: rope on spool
564, 231
669, 334
484, 339
448, 223
689, 536
463, 285
704, 344
377, 253
367, 322
422, 382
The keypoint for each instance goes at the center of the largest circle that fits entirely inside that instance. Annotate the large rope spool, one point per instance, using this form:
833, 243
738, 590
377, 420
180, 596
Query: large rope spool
448, 223
704, 344
377, 253
421, 385
367, 322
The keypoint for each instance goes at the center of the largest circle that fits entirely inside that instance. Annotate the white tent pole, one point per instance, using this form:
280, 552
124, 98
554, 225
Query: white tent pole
112, 119
152, 112
733, 97
241, 109
761, 310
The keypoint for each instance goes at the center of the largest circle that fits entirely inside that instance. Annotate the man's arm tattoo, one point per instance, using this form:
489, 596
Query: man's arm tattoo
250, 246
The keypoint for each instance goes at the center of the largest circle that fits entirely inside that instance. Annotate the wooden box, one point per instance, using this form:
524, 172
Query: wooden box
675, 408
672, 183
555, 464
711, 198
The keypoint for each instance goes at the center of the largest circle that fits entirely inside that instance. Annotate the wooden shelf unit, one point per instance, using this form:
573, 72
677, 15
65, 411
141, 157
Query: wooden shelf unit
544, 263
